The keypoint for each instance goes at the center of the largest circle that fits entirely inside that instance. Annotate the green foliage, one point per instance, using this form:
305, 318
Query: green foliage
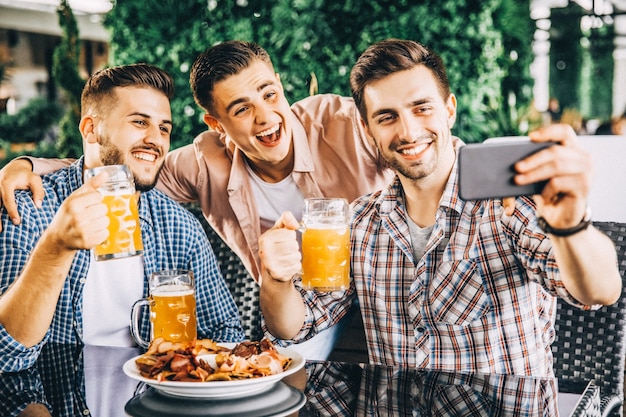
65, 72
485, 44
44, 149
31, 123
565, 55
596, 85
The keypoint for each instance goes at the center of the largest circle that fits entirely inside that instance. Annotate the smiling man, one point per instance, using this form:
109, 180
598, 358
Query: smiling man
444, 283
52, 289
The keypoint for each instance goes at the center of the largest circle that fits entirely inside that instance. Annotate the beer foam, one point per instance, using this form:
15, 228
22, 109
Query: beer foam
172, 291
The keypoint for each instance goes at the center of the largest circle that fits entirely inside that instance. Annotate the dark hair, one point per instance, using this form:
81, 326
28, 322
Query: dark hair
220, 62
390, 56
101, 84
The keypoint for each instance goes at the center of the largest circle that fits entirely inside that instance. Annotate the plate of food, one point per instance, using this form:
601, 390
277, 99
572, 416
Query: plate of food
205, 369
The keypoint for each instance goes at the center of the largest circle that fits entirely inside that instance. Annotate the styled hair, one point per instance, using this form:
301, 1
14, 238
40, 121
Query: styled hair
98, 90
219, 62
390, 56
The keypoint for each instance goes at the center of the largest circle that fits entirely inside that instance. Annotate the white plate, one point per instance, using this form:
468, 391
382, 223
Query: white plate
213, 389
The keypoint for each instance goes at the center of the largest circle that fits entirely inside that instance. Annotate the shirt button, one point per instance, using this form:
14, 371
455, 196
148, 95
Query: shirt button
83, 280
421, 329
86, 412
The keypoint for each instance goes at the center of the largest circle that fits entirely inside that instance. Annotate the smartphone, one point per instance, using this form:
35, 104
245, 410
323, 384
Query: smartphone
486, 169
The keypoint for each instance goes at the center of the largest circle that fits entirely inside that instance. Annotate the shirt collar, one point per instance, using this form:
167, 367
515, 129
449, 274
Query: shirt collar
302, 158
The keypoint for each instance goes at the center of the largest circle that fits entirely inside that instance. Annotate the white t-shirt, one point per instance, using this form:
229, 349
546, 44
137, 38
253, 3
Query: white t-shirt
273, 199
111, 289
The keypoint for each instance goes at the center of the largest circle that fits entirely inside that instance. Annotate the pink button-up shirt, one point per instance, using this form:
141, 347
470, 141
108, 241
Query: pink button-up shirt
332, 157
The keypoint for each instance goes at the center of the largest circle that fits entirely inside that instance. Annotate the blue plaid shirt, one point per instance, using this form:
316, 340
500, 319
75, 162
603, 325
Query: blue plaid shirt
481, 299
172, 237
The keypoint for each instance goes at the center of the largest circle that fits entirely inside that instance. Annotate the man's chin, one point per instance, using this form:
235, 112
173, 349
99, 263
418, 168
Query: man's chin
144, 186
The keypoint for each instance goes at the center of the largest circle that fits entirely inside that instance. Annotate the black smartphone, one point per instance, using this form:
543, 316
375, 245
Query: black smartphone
486, 169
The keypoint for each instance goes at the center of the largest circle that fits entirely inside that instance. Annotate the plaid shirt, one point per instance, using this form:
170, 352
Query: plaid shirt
481, 299
172, 238
348, 389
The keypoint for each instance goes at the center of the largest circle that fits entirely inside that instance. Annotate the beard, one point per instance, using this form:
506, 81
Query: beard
112, 155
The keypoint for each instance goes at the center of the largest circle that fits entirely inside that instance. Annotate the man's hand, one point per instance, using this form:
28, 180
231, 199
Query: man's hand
566, 167
81, 222
281, 303
279, 250
18, 175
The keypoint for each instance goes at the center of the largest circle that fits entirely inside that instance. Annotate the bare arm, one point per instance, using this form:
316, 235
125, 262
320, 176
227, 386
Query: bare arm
282, 305
22, 174
587, 260
28, 305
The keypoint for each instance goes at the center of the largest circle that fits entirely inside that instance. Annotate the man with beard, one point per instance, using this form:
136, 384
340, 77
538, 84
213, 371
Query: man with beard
52, 288
260, 158
444, 283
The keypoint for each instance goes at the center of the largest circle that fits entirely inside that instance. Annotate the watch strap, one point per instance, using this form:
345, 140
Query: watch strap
584, 224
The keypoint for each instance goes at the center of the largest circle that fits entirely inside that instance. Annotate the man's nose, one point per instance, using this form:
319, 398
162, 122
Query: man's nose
410, 127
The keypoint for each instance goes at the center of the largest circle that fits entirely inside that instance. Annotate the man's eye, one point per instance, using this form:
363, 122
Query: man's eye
140, 122
385, 119
424, 109
240, 110
270, 95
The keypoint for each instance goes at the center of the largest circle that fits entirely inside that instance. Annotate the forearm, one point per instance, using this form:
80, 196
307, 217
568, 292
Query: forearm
28, 305
283, 308
588, 265
42, 166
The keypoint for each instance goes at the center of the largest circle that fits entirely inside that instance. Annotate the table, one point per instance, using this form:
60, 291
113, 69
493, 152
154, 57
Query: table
88, 380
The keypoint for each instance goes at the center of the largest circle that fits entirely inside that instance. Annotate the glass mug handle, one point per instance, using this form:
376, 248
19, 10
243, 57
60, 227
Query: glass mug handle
135, 319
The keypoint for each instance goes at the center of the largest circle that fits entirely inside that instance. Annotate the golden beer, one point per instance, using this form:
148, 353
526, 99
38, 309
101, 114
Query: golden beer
173, 313
122, 210
124, 232
326, 258
172, 304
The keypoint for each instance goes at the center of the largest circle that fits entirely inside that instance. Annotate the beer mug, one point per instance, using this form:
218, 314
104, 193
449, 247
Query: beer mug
326, 244
119, 195
172, 304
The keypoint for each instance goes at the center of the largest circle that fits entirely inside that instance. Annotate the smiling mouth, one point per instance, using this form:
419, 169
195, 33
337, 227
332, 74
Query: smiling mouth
144, 156
270, 136
414, 150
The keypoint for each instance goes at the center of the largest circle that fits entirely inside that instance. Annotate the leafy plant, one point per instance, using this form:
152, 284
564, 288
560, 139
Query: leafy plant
31, 123
485, 45
65, 71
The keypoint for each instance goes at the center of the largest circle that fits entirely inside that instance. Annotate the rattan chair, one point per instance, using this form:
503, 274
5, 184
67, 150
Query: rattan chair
244, 289
591, 345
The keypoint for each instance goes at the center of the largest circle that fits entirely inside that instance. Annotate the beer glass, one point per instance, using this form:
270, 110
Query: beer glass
326, 244
172, 304
119, 195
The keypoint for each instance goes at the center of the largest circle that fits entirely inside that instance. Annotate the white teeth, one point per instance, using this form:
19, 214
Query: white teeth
414, 150
269, 131
145, 156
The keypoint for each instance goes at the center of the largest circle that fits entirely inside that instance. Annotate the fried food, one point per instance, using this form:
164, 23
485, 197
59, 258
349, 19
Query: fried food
166, 361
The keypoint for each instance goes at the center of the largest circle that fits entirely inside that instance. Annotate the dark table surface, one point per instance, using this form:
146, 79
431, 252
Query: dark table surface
83, 381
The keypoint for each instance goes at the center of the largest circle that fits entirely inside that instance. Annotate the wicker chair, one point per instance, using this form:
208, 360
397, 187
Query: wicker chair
244, 289
591, 345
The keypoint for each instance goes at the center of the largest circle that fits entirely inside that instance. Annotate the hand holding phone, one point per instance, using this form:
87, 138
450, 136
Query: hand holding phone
486, 170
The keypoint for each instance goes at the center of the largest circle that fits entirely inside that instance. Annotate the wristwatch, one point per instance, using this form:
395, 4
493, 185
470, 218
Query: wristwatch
584, 223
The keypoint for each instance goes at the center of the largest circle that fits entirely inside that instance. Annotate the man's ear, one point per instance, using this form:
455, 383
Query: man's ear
451, 107
212, 122
87, 127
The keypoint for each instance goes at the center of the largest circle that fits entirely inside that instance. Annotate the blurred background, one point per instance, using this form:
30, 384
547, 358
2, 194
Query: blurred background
513, 64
